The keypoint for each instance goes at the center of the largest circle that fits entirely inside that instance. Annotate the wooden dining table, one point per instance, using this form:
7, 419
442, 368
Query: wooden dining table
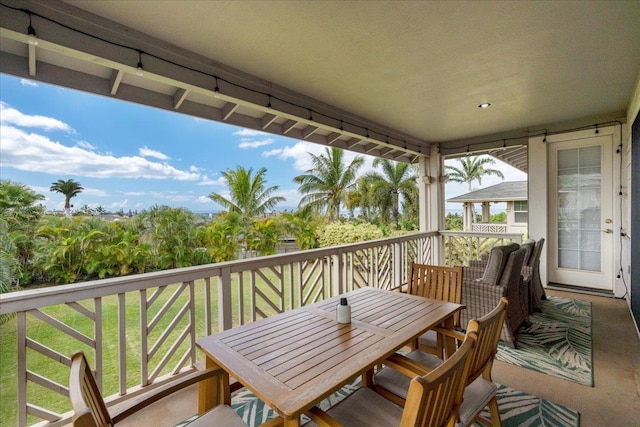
293, 360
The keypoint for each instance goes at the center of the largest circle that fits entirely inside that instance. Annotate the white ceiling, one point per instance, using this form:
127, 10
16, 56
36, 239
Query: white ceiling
412, 70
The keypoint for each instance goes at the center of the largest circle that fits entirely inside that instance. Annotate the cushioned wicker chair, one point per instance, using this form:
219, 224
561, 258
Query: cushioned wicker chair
482, 289
480, 391
89, 409
433, 397
437, 282
531, 274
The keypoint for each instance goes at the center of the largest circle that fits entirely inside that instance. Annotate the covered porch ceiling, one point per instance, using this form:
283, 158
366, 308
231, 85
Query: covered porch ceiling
389, 79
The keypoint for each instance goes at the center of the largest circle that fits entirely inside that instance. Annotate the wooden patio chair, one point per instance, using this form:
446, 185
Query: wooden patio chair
437, 282
480, 391
90, 410
433, 397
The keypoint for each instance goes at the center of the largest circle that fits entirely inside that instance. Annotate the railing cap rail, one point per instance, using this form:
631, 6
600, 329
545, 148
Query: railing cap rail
34, 298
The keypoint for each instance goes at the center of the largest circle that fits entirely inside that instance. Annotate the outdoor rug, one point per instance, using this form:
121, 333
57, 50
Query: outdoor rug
516, 408
557, 343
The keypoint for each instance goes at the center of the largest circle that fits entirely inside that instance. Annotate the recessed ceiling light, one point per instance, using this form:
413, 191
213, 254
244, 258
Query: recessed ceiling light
484, 105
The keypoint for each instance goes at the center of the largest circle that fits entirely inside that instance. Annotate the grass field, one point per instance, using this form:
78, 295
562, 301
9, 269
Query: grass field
66, 345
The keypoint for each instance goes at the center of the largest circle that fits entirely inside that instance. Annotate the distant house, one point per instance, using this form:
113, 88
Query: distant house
514, 193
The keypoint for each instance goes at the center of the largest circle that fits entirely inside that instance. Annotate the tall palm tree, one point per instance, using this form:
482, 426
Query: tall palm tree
325, 186
472, 169
70, 189
397, 179
249, 194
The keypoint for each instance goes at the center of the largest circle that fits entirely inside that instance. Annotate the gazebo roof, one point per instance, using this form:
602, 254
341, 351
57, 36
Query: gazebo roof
503, 192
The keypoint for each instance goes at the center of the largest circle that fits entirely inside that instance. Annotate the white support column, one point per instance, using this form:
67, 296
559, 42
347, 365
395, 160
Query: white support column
431, 199
486, 212
423, 195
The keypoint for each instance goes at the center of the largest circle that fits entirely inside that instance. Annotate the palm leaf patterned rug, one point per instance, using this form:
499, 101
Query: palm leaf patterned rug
557, 343
516, 408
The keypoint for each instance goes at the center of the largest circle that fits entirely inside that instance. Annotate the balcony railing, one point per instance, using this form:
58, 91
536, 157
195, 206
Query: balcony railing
139, 331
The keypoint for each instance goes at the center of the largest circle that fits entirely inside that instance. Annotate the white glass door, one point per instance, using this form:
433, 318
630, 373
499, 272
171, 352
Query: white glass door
581, 212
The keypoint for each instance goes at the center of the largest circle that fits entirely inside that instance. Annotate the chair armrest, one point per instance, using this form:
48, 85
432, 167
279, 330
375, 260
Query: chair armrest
406, 366
476, 263
135, 404
449, 333
321, 418
472, 273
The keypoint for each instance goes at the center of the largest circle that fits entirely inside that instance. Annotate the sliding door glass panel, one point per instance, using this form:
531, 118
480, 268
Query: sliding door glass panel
579, 208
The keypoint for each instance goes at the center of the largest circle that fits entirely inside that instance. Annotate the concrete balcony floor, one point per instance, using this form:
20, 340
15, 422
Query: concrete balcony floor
613, 401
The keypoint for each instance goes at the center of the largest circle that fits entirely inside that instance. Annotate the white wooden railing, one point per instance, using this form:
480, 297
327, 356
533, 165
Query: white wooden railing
139, 331
462, 246
483, 227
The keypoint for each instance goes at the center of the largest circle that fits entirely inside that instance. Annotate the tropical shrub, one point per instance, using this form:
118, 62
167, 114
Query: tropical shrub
338, 233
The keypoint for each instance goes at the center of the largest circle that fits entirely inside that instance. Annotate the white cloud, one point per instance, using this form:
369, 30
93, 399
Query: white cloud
116, 206
27, 82
11, 116
300, 153
148, 152
248, 143
204, 200
95, 192
86, 145
215, 182
248, 132
36, 153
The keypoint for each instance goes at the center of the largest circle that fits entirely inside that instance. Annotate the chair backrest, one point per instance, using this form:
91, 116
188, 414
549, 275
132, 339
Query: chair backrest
488, 329
513, 269
434, 399
497, 261
89, 409
535, 255
437, 282
529, 245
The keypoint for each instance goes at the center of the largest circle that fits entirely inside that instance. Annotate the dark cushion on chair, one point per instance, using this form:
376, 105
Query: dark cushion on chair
497, 260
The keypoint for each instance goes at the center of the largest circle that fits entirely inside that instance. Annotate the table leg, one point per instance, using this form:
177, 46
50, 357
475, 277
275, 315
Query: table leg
213, 391
292, 422
449, 342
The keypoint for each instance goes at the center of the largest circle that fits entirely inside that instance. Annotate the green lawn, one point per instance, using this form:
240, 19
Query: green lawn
65, 344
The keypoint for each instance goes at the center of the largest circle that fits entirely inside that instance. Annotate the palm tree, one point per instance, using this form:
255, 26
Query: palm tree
248, 194
325, 186
397, 179
70, 189
472, 169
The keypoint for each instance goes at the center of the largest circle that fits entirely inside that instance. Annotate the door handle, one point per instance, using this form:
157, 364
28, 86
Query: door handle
608, 231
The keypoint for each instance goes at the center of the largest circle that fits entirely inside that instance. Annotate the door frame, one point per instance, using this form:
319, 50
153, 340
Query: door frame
613, 132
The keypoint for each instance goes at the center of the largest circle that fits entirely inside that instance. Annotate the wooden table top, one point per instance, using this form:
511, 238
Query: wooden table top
293, 360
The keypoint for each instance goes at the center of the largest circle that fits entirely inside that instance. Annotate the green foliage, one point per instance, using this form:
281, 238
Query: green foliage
263, 235
396, 183
500, 217
70, 188
303, 226
221, 237
472, 169
338, 233
326, 185
249, 194
453, 221
171, 236
19, 211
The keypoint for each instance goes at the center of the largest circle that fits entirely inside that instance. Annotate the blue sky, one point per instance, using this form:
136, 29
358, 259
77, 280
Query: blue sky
131, 157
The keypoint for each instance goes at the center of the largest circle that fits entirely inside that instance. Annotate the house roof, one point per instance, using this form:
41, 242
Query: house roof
503, 192
390, 79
